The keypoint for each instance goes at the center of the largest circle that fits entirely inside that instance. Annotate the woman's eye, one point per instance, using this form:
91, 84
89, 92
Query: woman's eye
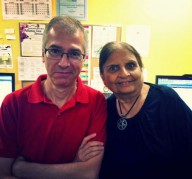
130, 66
113, 68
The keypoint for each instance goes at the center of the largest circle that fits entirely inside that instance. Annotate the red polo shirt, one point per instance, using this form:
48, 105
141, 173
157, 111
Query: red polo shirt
32, 126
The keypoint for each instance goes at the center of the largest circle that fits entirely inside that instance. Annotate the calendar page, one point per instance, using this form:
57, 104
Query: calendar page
27, 9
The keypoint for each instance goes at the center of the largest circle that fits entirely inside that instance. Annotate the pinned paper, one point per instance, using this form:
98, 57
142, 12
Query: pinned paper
9, 31
10, 37
5, 58
139, 37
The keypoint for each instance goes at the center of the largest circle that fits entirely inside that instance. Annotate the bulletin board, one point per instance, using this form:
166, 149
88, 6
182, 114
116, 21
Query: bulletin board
96, 40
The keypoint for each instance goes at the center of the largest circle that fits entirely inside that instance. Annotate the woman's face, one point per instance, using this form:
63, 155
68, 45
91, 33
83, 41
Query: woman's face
122, 73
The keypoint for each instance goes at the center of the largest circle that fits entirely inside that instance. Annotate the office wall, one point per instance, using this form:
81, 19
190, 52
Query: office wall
15, 44
170, 49
170, 22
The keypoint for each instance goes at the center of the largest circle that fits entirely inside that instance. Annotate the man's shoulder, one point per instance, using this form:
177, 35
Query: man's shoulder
20, 93
25, 90
91, 90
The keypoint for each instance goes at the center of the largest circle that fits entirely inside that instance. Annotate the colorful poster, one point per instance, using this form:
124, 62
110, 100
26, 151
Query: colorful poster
31, 38
85, 72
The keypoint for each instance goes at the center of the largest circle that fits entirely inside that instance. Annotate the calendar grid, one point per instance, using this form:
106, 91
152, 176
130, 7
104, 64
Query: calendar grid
25, 9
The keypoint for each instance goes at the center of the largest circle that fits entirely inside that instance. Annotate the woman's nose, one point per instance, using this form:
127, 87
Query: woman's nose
124, 72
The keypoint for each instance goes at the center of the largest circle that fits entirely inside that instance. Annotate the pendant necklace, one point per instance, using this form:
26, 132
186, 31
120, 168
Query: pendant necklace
122, 122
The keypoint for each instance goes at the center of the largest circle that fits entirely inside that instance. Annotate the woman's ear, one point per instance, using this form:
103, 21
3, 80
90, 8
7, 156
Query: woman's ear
102, 76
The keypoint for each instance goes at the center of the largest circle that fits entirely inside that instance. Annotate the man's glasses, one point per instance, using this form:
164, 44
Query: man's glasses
57, 54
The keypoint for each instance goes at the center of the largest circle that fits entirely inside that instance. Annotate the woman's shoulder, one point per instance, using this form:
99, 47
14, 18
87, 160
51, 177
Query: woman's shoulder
162, 90
166, 96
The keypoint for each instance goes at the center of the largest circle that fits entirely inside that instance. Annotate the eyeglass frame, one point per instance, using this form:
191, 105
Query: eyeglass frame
66, 53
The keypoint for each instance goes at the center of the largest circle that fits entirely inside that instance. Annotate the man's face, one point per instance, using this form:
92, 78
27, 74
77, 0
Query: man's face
64, 71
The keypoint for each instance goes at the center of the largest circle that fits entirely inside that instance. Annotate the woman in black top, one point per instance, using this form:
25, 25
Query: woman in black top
149, 127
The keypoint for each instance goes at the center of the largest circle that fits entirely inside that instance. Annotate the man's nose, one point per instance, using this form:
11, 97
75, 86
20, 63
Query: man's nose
64, 61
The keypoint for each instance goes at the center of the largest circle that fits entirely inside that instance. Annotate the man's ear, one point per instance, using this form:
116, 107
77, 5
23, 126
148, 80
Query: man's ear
43, 56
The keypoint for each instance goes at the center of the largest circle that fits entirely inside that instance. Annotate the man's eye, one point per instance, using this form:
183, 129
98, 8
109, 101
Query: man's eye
55, 51
75, 54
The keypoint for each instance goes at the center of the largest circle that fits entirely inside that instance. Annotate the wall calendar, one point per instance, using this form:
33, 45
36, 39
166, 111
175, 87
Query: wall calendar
27, 9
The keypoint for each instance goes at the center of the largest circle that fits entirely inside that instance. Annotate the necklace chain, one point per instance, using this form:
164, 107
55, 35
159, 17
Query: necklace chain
124, 115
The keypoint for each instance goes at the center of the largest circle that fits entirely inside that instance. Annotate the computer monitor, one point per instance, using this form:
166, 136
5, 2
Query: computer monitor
7, 84
181, 84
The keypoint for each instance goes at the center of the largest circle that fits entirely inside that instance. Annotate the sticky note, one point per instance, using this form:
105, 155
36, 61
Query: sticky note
5, 57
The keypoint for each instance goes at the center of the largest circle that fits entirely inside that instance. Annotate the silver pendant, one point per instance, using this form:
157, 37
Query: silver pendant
122, 123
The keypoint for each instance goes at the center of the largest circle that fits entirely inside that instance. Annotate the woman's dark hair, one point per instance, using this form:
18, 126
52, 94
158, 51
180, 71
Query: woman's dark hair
110, 47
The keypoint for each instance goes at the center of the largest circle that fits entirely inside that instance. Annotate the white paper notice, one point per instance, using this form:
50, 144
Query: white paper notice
9, 31
6, 60
145, 74
75, 8
97, 82
30, 68
139, 36
101, 36
10, 37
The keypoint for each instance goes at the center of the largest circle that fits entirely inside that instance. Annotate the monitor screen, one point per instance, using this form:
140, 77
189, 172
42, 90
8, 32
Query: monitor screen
7, 84
181, 84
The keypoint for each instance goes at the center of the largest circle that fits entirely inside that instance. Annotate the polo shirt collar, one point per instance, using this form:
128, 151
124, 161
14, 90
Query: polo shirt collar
36, 94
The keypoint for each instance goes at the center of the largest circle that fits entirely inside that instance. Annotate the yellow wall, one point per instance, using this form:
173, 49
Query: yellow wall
171, 30
170, 51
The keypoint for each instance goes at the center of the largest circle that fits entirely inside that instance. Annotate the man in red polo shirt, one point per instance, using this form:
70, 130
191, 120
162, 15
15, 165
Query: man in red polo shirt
56, 126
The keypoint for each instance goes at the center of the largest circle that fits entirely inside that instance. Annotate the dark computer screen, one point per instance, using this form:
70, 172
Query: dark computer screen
7, 84
181, 84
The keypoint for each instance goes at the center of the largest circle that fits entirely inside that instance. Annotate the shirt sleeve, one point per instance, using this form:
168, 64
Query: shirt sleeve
98, 118
8, 139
